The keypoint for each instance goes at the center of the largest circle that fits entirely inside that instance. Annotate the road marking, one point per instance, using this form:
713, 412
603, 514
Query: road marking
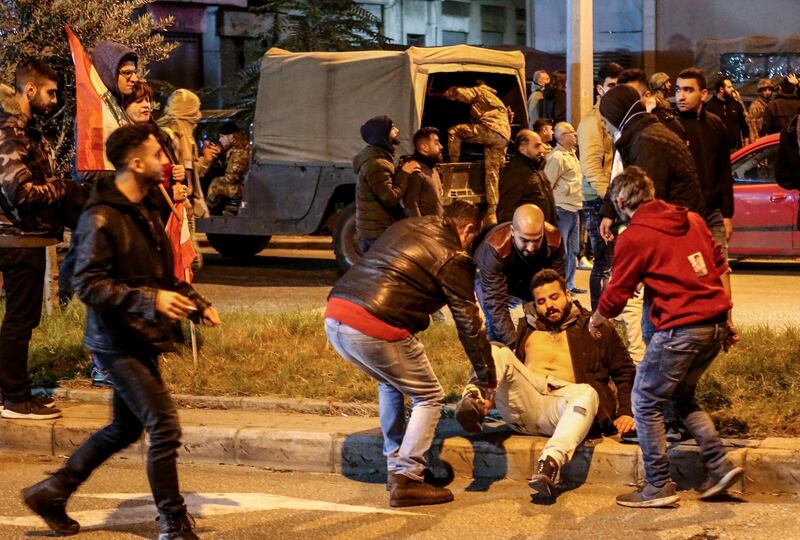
199, 504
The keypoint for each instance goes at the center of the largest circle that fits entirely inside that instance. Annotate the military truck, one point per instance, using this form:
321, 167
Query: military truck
305, 134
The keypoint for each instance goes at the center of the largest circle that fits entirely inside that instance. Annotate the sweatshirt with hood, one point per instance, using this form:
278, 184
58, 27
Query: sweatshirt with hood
107, 57
671, 251
378, 194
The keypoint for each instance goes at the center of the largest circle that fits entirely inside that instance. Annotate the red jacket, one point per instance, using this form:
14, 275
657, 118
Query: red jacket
672, 252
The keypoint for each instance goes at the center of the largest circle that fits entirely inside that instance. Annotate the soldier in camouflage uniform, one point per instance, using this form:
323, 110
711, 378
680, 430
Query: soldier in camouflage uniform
491, 127
237, 154
31, 218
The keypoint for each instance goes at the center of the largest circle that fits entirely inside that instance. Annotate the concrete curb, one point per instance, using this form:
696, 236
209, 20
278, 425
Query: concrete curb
304, 406
353, 447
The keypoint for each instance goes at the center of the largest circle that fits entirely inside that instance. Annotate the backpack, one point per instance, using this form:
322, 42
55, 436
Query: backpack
787, 163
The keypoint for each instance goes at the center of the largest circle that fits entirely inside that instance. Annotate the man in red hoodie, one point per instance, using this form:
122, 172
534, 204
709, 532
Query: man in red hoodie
671, 251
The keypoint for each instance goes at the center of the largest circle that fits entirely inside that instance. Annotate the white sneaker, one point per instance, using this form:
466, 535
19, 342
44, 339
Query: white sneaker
585, 264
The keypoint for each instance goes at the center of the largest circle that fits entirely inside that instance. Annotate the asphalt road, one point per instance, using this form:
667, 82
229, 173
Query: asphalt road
765, 292
243, 503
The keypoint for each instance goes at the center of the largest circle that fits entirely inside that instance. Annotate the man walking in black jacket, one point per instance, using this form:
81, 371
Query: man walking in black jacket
125, 276
709, 148
558, 382
731, 112
374, 311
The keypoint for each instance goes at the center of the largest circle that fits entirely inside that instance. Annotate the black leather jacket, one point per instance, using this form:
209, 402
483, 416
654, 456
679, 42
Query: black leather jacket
124, 258
414, 269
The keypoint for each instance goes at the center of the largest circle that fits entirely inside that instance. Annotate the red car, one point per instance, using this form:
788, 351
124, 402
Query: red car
765, 221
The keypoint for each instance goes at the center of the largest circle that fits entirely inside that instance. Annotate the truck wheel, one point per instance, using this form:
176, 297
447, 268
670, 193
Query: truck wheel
236, 245
345, 245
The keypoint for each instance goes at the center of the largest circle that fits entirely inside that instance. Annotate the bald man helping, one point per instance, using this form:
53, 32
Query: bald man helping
507, 259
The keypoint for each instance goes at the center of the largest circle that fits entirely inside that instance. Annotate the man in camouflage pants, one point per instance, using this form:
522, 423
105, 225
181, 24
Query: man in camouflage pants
237, 153
491, 127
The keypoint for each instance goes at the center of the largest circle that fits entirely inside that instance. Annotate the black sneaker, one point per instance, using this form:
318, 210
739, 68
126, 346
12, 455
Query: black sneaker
48, 499
676, 433
629, 437
177, 526
29, 410
576, 290
650, 496
717, 483
545, 477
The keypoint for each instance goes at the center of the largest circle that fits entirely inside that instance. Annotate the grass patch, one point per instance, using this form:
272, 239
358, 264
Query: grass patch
751, 391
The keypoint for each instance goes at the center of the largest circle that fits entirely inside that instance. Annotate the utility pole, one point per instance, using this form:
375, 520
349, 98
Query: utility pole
580, 59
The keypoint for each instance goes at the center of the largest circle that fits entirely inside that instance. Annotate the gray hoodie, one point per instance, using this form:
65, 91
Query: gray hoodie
107, 57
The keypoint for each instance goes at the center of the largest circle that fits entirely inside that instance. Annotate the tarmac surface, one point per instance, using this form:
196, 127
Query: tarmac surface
238, 502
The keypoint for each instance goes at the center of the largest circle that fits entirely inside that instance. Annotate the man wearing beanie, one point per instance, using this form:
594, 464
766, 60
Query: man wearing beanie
237, 155
378, 193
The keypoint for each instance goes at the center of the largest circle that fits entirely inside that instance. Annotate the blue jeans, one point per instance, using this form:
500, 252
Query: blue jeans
491, 333
603, 253
569, 226
401, 368
673, 364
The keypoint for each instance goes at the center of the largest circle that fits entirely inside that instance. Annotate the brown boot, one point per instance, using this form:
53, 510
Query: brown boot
408, 492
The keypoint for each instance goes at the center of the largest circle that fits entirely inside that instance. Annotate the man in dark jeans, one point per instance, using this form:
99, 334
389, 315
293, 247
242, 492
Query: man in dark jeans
124, 274
671, 251
30, 196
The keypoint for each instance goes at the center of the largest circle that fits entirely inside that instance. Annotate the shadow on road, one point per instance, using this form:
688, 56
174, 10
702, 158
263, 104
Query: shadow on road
263, 271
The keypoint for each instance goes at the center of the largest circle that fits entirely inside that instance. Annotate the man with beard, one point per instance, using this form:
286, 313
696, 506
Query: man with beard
731, 112
522, 180
557, 383
423, 195
125, 276
31, 218
378, 195
758, 106
671, 251
544, 129
507, 259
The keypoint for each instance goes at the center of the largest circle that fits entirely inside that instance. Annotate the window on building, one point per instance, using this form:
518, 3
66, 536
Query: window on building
493, 18
450, 37
749, 67
491, 38
415, 40
451, 8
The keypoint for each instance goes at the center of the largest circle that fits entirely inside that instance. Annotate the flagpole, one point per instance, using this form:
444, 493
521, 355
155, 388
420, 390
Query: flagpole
192, 331
169, 202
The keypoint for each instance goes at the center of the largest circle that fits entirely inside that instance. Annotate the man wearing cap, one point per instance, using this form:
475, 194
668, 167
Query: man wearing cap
237, 153
782, 109
759, 106
556, 379
378, 192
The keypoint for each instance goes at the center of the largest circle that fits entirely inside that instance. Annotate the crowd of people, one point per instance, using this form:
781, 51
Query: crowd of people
647, 183
651, 185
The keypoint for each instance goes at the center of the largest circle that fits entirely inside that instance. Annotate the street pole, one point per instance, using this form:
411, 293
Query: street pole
580, 60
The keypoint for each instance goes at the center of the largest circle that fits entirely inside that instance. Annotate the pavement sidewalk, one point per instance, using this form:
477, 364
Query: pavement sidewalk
276, 437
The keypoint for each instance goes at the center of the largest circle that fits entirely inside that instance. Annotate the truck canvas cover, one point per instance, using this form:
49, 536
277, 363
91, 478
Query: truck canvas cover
310, 106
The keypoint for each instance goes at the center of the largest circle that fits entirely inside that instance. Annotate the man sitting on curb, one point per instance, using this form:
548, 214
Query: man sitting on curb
671, 251
561, 386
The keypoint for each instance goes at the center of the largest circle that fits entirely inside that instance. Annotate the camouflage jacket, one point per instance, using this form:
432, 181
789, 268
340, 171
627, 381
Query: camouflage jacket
484, 106
237, 159
31, 197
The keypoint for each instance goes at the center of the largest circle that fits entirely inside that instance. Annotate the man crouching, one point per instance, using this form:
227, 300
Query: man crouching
557, 383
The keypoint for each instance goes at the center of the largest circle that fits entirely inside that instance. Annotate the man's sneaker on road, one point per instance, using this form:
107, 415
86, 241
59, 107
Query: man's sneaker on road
650, 496
408, 492
672, 433
629, 437
48, 499
576, 290
101, 378
585, 264
29, 410
45, 401
177, 526
717, 483
545, 477
676, 432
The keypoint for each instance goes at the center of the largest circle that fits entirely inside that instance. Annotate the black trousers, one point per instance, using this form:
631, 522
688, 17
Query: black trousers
23, 275
141, 402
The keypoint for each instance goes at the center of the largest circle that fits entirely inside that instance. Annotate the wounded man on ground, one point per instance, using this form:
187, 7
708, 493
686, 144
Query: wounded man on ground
556, 380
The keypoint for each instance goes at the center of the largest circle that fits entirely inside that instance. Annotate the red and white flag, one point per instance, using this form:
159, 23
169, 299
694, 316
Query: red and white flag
98, 113
180, 239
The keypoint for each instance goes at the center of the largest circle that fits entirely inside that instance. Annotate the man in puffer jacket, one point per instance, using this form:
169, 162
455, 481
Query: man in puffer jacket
378, 193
